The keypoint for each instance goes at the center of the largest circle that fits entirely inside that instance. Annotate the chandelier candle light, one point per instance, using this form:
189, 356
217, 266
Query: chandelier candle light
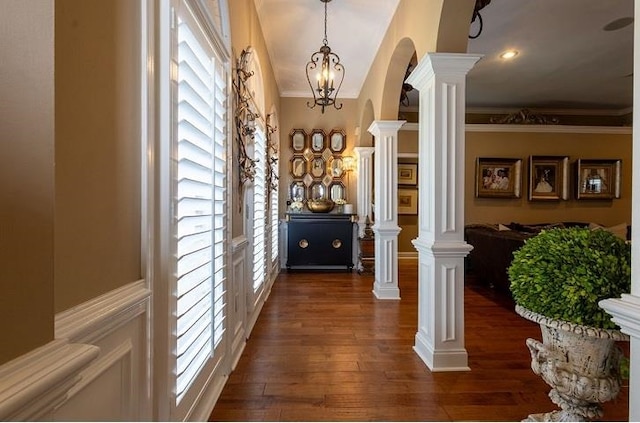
324, 94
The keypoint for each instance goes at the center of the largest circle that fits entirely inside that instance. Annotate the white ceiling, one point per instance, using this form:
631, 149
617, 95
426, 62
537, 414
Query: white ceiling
565, 60
294, 29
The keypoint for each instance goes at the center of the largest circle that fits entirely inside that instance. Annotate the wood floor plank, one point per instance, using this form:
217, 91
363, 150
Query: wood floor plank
325, 349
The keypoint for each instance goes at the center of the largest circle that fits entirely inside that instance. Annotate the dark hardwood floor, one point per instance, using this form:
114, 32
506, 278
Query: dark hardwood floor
324, 349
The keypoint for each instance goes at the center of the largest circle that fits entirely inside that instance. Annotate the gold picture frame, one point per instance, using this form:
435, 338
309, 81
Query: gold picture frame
498, 177
407, 201
598, 179
548, 178
407, 174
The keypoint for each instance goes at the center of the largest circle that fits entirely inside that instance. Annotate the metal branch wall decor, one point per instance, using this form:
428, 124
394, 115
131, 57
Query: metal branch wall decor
245, 122
272, 157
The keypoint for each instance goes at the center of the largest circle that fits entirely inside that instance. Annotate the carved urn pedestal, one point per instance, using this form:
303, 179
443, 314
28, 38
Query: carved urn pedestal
367, 245
580, 363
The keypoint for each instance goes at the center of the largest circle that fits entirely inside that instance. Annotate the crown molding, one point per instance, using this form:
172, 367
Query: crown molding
561, 129
561, 112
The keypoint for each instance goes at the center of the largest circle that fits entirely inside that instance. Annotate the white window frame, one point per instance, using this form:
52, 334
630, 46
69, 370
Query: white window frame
158, 109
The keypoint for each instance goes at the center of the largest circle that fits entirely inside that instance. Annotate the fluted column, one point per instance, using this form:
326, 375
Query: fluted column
626, 314
364, 185
440, 79
385, 227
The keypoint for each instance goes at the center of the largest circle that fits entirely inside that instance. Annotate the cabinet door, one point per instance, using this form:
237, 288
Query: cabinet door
320, 243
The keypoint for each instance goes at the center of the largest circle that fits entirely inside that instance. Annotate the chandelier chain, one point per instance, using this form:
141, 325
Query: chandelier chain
329, 73
325, 41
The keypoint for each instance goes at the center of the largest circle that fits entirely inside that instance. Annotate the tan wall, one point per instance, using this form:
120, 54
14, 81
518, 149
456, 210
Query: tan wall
296, 115
26, 176
97, 204
246, 31
435, 25
522, 145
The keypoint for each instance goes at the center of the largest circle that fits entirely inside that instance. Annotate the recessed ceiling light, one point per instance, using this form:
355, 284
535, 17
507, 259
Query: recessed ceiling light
618, 24
509, 54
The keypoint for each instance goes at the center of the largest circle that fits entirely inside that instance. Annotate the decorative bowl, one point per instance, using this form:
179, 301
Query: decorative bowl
320, 206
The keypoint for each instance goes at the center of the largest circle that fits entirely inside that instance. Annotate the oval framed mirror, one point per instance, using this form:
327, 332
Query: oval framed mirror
336, 167
337, 191
337, 141
298, 140
317, 191
298, 167
317, 167
298, 191
317, 140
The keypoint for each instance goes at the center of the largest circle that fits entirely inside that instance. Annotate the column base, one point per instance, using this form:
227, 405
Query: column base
385, 293
445, 360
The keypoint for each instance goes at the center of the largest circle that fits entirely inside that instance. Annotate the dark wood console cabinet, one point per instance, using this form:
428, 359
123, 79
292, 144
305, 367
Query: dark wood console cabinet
320, 239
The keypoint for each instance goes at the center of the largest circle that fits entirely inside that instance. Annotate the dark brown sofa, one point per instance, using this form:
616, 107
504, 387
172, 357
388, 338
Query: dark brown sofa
493, 249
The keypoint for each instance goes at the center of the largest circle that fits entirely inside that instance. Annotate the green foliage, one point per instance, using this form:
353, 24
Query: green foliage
564, 273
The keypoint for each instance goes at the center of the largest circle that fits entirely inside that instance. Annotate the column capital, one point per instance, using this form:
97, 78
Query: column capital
433, 64
364, 152
379, 126
625, 312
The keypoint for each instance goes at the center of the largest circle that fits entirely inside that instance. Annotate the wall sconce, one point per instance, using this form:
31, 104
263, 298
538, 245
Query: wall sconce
348, 165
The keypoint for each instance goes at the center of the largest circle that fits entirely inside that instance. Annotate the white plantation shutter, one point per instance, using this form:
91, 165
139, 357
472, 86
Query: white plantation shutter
259, 211
200, 205
274, 216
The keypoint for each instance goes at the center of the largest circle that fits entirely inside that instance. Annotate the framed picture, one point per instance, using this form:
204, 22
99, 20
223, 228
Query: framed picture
548, 178
598, 179
498, 177
407, 174
407, 201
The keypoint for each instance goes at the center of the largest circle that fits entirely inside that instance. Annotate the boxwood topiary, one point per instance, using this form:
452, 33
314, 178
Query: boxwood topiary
563, 273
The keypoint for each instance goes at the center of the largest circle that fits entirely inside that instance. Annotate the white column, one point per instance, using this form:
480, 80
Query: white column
626, 310
385, 227
364, 185
440, 78
626, 314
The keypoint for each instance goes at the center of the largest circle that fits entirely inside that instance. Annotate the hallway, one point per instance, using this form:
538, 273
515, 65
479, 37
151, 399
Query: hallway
324, 349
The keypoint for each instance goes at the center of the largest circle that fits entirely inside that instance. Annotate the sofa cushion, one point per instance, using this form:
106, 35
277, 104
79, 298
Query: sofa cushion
620, 230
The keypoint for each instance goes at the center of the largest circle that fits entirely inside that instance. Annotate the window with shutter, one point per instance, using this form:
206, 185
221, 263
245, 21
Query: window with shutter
274, 217
200, 186
259, 211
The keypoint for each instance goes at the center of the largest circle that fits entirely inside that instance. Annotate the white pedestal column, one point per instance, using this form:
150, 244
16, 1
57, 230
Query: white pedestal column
626, 314
386, 227
440, 78
626, 310
364, 185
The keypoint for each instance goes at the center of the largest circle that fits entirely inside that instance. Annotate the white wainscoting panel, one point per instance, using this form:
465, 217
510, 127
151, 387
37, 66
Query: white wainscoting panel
237, 301
34, 384
116, 386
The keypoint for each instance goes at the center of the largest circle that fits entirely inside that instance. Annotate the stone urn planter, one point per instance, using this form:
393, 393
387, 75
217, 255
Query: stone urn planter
558, 279
580, 363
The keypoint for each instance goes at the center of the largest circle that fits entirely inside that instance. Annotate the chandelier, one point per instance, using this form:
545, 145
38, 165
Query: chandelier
328, 68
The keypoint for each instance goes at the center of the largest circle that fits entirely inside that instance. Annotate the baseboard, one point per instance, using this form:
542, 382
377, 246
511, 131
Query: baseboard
413, 255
